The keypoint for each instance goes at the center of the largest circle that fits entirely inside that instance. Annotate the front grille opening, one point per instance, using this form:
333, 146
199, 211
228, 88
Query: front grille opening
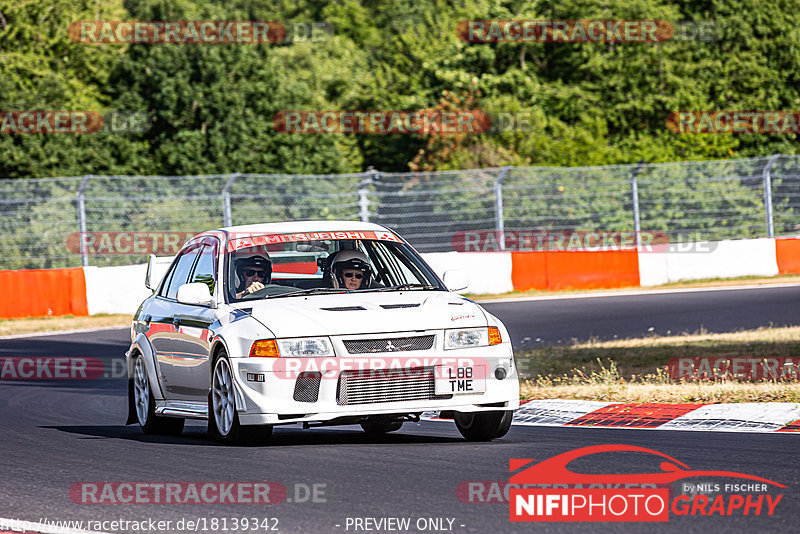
306, 389
395, 344
387, 385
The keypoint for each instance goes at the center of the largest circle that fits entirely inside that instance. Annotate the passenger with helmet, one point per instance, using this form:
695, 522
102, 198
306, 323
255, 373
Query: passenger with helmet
253, 272
350, 270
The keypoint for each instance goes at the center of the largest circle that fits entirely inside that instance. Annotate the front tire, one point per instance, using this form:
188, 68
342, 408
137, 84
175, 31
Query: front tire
223, 421
145, 405
483, 426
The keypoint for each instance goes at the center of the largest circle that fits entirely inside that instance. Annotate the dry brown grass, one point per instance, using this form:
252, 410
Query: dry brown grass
32, 325
634, 370
745, 337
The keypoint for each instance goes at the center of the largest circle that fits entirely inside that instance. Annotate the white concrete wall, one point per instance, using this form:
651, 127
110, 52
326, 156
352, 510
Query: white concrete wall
488, 272
115, 289
119, 289
723, 259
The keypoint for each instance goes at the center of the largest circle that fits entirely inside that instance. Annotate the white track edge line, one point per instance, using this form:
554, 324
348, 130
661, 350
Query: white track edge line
62, 332
633, 293
22, 526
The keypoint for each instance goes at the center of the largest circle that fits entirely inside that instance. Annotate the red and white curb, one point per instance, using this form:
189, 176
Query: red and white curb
729, 417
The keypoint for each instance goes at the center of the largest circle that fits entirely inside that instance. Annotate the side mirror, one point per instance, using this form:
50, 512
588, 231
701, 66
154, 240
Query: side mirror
196, 293
148, 276
456, 280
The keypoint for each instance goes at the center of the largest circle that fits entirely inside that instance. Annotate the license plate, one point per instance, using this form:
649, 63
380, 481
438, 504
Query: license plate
461, 380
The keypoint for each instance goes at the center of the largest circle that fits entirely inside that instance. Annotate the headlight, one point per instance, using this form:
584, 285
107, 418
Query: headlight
461, 338
305, 347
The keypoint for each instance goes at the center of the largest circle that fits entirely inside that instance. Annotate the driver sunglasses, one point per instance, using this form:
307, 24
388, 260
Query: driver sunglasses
358, 276
252, 272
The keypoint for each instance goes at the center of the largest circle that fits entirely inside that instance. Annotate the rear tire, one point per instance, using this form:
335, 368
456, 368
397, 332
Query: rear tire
145, 405
223, 420
380, 425
483, 426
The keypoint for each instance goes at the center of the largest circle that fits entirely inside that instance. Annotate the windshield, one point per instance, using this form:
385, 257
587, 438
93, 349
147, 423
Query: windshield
259, 269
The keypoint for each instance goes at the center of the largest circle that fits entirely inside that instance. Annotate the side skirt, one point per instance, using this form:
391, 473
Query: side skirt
184, 409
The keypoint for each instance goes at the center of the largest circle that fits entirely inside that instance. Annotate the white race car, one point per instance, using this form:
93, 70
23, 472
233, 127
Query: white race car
318, 323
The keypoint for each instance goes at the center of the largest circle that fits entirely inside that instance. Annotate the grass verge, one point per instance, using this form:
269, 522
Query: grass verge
33, 325
634, 370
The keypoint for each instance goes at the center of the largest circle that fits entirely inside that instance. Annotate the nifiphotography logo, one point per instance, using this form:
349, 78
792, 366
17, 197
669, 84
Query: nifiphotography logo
559, 494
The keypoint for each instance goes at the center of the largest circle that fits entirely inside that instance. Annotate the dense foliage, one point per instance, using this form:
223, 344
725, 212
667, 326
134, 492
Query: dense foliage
210, 107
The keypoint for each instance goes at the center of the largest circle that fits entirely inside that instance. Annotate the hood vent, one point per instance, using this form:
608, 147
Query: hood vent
397, 306
344, 308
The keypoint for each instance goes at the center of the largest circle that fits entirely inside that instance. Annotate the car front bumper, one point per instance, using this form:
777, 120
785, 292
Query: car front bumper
269, 394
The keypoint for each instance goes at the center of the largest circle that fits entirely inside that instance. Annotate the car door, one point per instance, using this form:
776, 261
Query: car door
189, 372
161, 315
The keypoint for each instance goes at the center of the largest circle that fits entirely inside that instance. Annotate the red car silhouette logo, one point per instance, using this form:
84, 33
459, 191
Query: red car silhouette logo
554, 470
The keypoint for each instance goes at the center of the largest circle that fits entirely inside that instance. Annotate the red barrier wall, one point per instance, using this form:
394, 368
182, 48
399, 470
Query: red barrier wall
41, 292
788, 255
574, 269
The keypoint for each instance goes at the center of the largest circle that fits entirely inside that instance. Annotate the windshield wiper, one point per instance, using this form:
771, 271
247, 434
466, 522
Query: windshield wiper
309, 291
403, 286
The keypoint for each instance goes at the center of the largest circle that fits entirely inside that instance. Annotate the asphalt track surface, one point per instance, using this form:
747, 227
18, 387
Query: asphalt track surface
54, 434
536, 323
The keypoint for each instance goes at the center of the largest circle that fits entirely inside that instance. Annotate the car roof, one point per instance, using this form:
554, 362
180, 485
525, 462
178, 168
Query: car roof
303, 226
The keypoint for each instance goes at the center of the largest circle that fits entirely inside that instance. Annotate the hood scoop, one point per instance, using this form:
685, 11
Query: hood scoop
397, 306
344, 308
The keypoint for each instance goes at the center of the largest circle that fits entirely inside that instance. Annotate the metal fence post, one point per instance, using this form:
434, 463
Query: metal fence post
82, 220
768, 195
499, 225
226, 201
363, 199
637, 226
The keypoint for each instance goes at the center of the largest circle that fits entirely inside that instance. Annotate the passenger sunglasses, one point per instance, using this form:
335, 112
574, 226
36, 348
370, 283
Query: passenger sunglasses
357, 275
251, 272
